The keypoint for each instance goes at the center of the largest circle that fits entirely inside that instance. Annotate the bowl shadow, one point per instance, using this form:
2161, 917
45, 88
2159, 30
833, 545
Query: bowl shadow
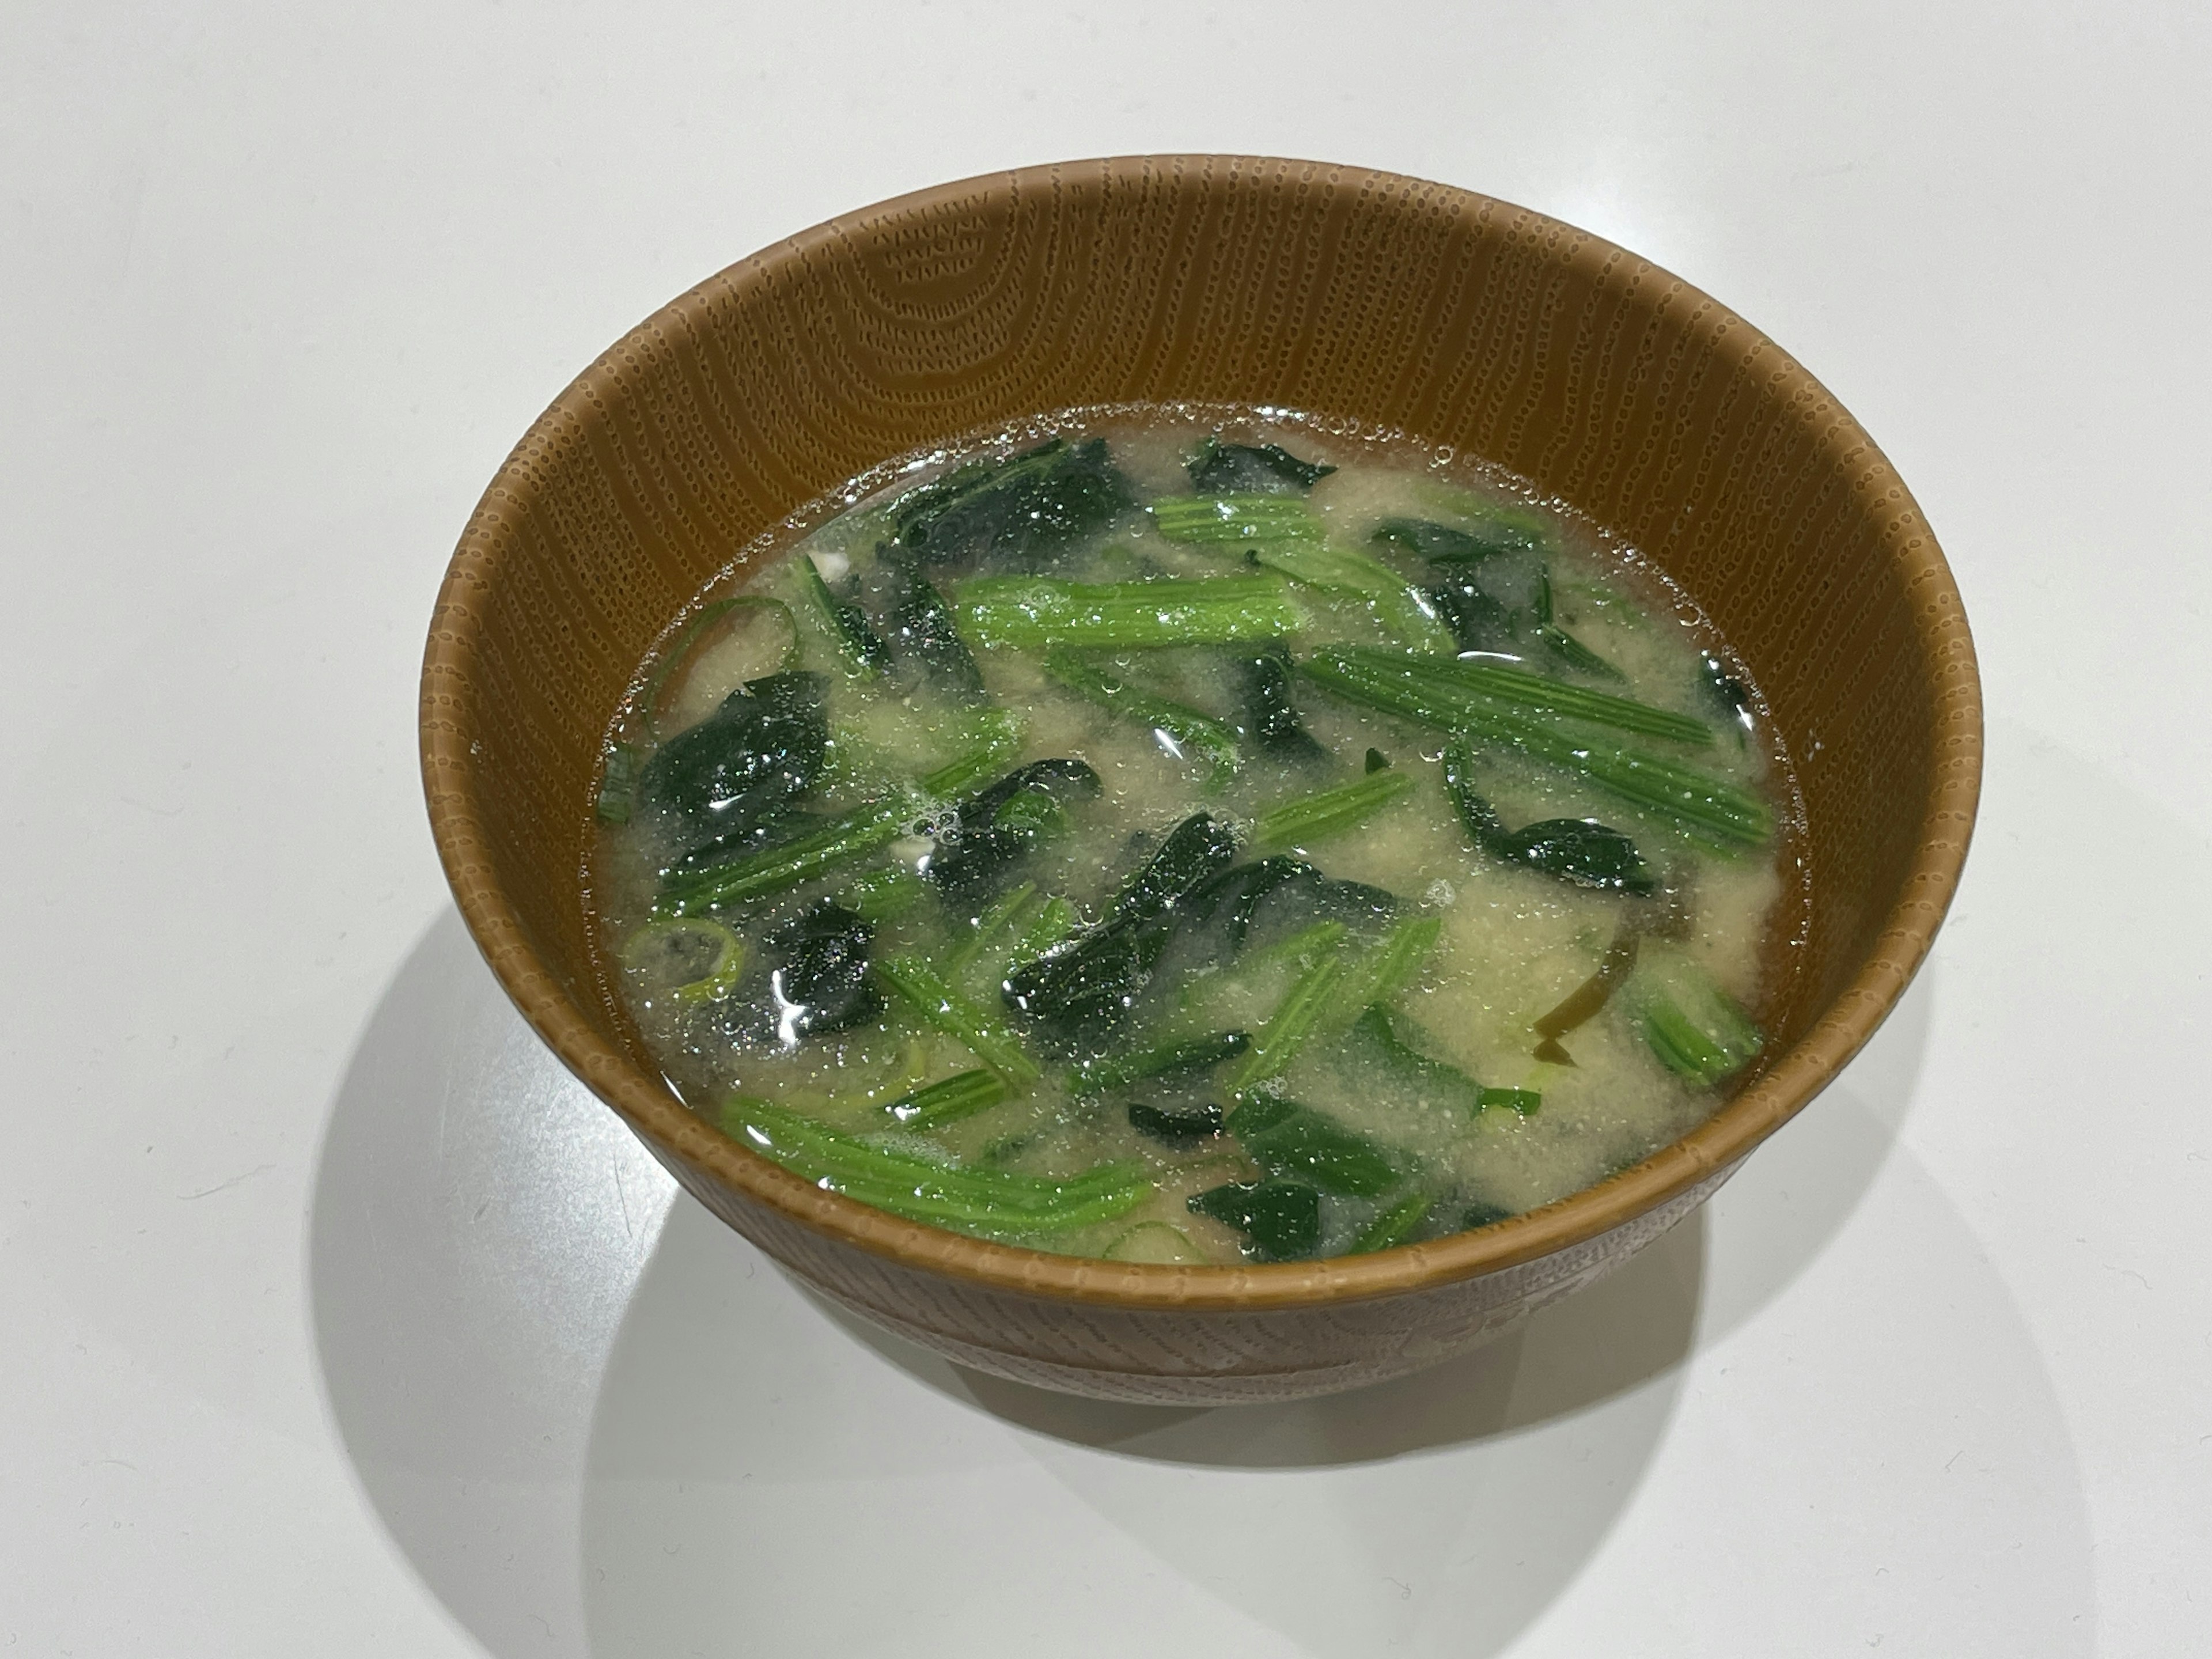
539, 1364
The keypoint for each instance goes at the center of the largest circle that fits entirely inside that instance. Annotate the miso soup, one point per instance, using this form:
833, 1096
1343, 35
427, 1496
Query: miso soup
1196, 836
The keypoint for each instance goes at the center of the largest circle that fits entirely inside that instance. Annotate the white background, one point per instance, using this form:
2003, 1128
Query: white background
334, 1320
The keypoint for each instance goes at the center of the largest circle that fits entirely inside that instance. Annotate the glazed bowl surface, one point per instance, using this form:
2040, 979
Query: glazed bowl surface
1383, 303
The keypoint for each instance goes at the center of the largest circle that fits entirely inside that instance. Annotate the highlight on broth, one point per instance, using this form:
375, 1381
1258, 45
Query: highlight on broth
1194, 840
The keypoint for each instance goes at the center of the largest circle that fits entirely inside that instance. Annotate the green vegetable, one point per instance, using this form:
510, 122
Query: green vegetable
1393, 1224
1021, 510
1579, 850
1293, 1021
1384, 971
1052, 924
984, 929
1296, 1143
1220, 469
1282, 1218
688, 888
1198, 734
1697, 1030
949, 1099
924, 629
881, 895
1224, 519
984, 1034
714, 623
1498, 521
1079, 994
1516, 688
994, 735
821, 981
745, 766
690, 960
1711, 809
864, 651
1173, 1129
1000, 825
1176, 1059
1313, 817
1034, 612
1374, 1042
1523, 1101
1271, 717
920, 1189
618, 795
1480, 1214
1401, 607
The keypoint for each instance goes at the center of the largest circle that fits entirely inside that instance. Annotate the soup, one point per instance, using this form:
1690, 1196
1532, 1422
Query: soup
1195, 837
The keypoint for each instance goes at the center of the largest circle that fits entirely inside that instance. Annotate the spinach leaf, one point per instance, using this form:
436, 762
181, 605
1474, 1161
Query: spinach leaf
922, 628
1018, 512
742, 768
1282, 1218
1394, 1066
821, 982
1270, 716
997, 826
1078, 994
1582, 851
1295, 1142
1220, 469
1175, 1128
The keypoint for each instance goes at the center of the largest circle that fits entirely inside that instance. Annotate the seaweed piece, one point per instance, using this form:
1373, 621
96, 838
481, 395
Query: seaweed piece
922, 628
1481, 1214
1442, 543
1018, 511
1578, 850
821, 981
1728, 693
1271, 714
1586, 998
1220, 469
1294, 1142
742, 768
1282, 1219
1376, 760
1175, 1128
997, 826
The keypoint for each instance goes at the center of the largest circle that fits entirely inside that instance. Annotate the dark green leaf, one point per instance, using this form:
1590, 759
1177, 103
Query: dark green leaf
1270, 715
1175, 1128
1296, 1142
1220, 469
1282, 1218
743, 767
820, 980
1014, 512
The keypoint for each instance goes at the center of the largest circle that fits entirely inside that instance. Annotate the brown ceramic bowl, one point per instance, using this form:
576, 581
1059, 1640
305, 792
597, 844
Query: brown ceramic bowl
1459, 319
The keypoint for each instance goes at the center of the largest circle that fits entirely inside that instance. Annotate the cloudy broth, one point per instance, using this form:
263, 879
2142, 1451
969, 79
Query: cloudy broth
1196, 836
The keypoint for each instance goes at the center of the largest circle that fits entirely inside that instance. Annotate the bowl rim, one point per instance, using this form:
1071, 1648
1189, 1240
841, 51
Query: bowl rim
675, 1132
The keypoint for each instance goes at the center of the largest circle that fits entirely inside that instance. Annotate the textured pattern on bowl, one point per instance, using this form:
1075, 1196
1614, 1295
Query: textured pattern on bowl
1397, 303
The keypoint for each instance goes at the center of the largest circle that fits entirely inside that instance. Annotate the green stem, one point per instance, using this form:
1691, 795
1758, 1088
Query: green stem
756, 875
1213, 519
1518, 689
1391, 1224
1035, 612
1383, 972
984, 1034
1175, 1060
1709, 808
1186, 727
949, 1099
1290, 1024
1313, 817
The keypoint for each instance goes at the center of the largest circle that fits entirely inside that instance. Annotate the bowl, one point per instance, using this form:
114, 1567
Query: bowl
1381, 301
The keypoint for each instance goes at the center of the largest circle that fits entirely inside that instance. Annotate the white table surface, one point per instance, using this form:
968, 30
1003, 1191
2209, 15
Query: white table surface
337, 1320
